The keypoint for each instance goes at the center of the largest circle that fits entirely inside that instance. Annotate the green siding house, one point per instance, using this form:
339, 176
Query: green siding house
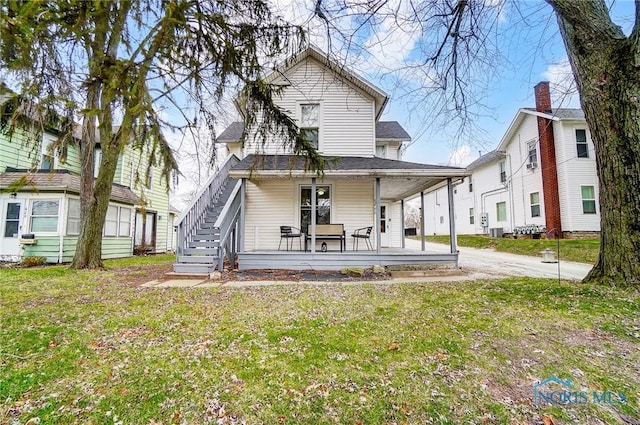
40, 203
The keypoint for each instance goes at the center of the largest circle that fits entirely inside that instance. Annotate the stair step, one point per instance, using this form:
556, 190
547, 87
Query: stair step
207, 232
193, 268
208, 238
204, 259
200, 251
207, 225
204, 244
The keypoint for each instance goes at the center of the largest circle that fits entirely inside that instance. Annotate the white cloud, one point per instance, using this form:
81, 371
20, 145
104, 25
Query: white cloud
460, 156
564, 92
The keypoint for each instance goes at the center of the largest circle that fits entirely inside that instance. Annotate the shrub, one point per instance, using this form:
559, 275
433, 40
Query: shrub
33, 261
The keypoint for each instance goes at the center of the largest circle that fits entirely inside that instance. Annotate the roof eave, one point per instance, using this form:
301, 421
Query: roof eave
435, 173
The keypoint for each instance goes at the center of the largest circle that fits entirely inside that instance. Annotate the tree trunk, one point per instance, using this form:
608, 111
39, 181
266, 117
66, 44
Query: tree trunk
606, 66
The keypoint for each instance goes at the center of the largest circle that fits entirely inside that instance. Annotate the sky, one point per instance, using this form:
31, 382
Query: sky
523, 46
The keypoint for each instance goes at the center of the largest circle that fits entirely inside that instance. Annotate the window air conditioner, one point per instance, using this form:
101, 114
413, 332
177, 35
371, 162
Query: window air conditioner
532, 165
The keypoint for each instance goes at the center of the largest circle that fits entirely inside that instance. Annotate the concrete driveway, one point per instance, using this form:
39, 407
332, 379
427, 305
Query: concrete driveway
503, 264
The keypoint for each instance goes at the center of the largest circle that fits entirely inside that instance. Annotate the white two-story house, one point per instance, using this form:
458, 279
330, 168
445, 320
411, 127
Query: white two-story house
361, 191
540, 179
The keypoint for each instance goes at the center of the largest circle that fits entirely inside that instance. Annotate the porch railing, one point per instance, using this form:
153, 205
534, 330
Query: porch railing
226, 225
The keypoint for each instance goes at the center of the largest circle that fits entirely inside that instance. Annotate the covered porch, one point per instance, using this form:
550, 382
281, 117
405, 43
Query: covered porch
387, 183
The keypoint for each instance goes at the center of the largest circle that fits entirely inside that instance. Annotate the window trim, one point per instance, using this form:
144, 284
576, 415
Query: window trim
503, 171
57, 216
472, 216
585, 143
582, 198
299, 206
128, 234
46, 141
311, 102
532, 147
498, 211
532, 204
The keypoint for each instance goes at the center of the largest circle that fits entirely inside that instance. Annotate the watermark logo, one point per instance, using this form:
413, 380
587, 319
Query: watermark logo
556, 391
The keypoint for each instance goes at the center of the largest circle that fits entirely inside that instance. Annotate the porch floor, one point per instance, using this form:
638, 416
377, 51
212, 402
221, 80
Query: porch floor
336, 260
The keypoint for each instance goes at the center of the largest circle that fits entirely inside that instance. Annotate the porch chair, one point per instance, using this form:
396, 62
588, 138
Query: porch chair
362, 233
290, 232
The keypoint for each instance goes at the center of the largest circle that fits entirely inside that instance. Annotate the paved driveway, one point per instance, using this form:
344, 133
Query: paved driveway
500, 263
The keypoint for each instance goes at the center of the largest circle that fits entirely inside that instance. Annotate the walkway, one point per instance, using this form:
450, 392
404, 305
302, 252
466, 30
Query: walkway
503, 264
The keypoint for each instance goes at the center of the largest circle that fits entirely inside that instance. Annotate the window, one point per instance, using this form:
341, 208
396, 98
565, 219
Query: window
310, 122
501, 211
503, 172
381, 151
124, 225
472, 218
470, 185
588, 200
44, 216
533, 155
97, 160
111, 221
73, 217
581, 143
323, 206
534, 198
149, 179
47, 155
12, 220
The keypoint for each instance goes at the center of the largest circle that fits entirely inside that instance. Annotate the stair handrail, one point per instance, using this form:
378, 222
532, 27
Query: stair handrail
189, 219
226, 221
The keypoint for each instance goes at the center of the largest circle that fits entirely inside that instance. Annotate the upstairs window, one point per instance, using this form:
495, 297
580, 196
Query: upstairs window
581, 143
503, 172
532, 161
534, 199
48, 160
381, 151
310, 122
588, 199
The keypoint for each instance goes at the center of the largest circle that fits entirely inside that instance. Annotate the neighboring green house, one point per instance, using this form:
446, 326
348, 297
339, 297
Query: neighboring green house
40, 203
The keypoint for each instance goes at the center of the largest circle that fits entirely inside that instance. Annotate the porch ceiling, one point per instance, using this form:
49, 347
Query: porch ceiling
398, 179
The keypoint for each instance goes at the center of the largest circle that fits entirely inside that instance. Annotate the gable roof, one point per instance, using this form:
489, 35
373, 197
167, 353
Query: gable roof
61, 180
557, 114
385, 130
486, 159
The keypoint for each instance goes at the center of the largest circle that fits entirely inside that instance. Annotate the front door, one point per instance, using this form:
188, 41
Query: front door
11, 228
385, 225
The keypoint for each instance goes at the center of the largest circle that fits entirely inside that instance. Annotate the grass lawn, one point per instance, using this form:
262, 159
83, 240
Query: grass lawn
80, 347
580, 250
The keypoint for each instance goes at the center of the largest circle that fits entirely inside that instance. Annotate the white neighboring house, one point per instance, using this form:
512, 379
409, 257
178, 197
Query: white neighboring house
541, 177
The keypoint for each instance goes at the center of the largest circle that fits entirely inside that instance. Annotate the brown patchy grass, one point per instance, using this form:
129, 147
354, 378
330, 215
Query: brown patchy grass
91, 347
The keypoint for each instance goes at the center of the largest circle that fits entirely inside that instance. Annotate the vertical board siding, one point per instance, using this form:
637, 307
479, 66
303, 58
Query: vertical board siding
346, 118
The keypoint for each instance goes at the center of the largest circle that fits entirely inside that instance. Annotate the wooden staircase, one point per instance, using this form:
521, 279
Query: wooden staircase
207, 230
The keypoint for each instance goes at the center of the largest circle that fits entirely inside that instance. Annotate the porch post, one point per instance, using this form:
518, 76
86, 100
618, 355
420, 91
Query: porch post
313, 215
452, 218
243, 184
402, 219
422, 219
378, 235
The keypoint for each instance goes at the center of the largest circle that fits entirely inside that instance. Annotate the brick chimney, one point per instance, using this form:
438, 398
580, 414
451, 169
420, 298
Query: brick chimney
548, 161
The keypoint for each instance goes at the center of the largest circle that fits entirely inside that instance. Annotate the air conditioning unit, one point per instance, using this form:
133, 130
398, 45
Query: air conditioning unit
496, 232
532, 165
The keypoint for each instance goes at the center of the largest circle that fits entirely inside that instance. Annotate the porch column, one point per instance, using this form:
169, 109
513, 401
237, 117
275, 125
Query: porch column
452, 218
313, 215
422, 219
402, 219
378, 234
243, 184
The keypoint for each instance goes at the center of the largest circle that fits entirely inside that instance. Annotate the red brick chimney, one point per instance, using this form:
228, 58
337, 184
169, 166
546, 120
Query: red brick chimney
548, 161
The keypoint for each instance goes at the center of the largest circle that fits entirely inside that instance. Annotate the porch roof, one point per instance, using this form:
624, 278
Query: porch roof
58, 180
400, 179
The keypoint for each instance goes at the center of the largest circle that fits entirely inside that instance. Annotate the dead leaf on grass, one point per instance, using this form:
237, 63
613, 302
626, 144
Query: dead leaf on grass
548, 420
394, 346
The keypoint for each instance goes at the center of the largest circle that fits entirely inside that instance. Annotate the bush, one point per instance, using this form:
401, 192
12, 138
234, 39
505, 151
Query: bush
33, 261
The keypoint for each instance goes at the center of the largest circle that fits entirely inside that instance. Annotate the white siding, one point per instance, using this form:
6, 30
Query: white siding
574, 172
396, 225
346, 114
272, 203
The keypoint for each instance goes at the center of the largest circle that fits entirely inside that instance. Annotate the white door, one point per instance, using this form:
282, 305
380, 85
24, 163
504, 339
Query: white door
11, 228
385, 225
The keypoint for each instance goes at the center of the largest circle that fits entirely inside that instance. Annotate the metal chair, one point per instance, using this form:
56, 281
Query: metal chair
362, 233
290, 232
